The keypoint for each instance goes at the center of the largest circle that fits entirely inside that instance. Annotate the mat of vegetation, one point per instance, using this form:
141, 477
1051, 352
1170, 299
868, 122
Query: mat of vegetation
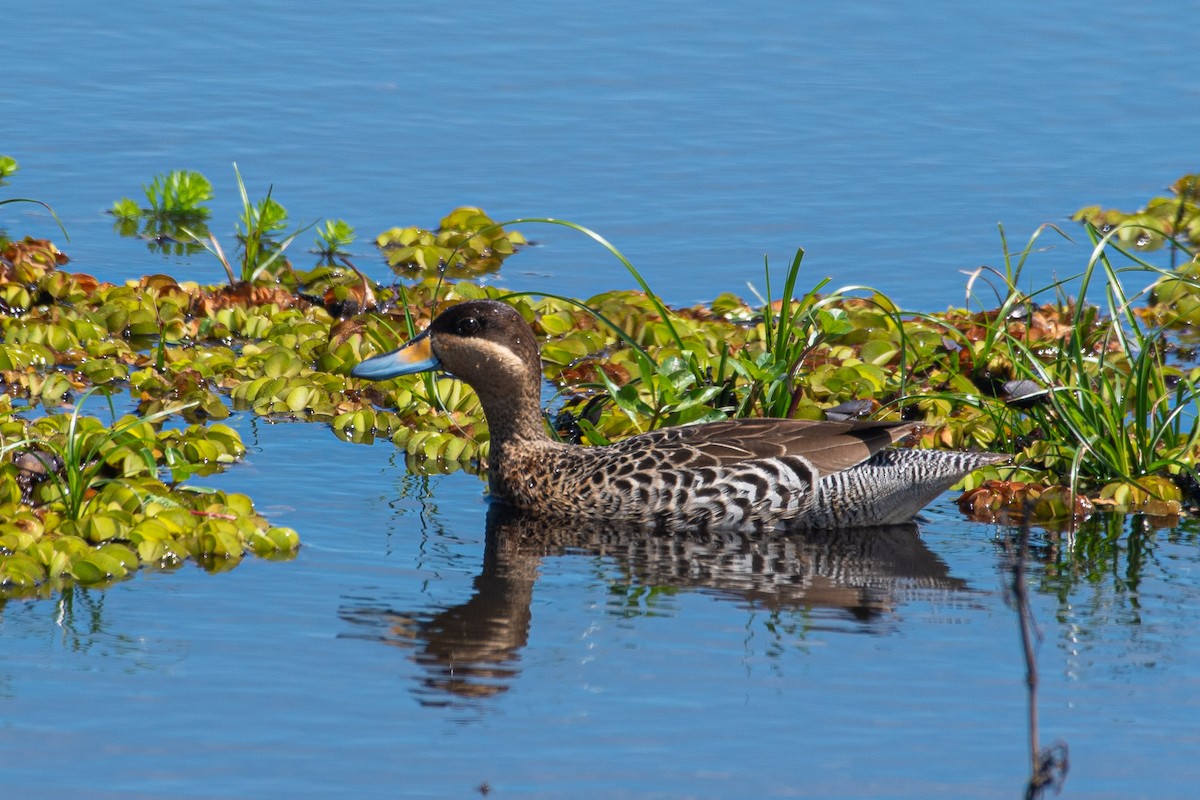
114, 394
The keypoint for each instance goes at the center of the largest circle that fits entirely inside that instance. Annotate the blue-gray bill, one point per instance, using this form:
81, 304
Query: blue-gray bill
415, 356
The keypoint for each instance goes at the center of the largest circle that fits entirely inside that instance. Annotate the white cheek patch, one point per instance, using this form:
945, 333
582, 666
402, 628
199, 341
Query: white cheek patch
489, 353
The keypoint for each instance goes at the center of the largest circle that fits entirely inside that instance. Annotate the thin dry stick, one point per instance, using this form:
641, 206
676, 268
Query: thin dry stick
1048, 768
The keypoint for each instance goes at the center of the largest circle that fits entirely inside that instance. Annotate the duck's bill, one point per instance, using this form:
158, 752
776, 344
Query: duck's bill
416, 356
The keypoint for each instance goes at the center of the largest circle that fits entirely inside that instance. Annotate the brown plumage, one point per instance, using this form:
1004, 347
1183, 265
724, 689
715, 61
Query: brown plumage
753, 473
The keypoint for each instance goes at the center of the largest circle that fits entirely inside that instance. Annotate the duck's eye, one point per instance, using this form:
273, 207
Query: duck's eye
468, 327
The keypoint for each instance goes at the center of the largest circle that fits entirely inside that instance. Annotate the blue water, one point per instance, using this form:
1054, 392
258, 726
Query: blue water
886, 140
306, 679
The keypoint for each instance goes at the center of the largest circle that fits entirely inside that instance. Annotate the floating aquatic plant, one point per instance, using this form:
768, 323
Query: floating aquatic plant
174, 214
333, 239
8, 166
1165, 220
466, 242
86, 501
259, 230
1087, 398
1092, 401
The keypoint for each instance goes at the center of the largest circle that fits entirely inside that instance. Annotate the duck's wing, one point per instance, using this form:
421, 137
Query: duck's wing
828, 445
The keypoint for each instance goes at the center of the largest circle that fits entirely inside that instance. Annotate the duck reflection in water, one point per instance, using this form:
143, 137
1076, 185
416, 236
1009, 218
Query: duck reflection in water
472, 650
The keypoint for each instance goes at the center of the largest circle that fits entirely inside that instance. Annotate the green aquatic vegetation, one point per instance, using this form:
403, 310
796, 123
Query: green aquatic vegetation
663, 315
175, 221
334, 238
623, 362
439, 419
1171, 221
258, 231
136, 525
1099, 407
77, 453
78, 496
8, 166
180, 193
1175, 297
448, 427
844, 345
676, 367
609, 354
306, 394
1102, 410
677, 398
341, 289
787, 341
83, 501
455, 436
174, 214
1129, 415
1165, 220
466, 242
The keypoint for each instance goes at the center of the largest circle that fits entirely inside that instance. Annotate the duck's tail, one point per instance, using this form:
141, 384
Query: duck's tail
891, 487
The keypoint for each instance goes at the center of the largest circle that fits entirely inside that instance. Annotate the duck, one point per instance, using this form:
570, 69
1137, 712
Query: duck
735, 474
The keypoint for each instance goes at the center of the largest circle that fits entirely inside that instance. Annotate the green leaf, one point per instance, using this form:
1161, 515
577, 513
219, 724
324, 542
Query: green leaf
97, 566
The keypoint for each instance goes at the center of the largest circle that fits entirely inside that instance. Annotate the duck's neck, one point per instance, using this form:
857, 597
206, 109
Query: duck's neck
521, 452
515, 416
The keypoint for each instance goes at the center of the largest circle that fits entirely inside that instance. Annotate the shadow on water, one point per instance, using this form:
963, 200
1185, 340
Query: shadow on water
472, 650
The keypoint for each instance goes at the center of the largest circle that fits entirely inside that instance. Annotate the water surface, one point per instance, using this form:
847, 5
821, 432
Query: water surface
404, 652
888, 141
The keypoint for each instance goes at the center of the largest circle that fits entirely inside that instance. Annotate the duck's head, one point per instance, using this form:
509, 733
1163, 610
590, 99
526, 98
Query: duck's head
483, 342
